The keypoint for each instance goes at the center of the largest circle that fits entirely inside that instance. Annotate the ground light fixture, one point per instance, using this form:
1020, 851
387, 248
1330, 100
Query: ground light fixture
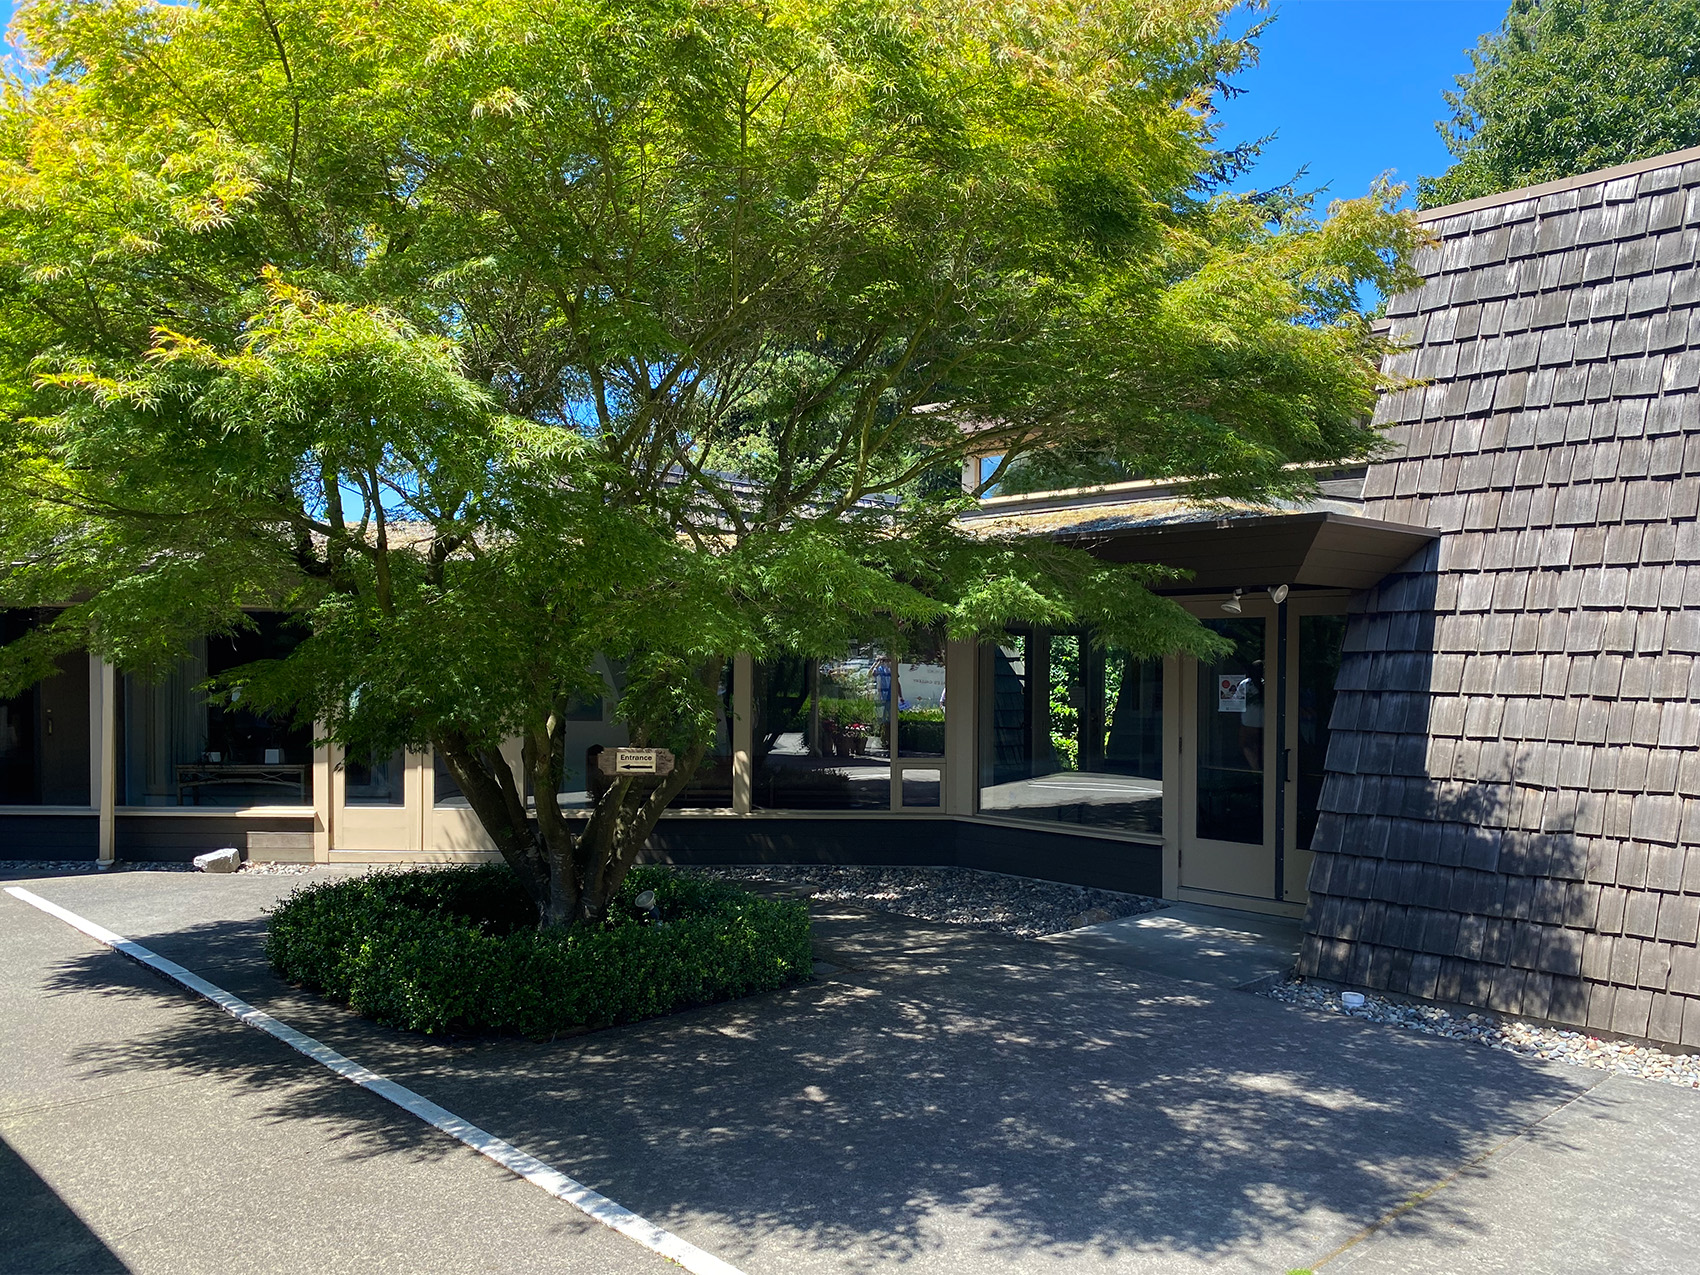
1232, 605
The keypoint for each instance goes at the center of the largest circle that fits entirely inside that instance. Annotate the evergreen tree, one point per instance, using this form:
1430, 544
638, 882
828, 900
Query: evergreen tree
1567, 87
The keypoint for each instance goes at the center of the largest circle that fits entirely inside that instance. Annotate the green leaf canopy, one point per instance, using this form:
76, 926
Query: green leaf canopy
493, 336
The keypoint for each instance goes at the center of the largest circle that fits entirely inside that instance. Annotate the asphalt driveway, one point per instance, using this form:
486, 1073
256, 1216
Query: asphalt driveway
945, 1101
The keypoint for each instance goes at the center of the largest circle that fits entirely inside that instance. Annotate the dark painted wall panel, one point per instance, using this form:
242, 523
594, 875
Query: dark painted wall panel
1034, 852
893, 840
175, 839
1130, 867
40, 837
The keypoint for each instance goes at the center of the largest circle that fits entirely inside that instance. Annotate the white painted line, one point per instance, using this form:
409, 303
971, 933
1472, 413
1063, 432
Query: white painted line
505, 1154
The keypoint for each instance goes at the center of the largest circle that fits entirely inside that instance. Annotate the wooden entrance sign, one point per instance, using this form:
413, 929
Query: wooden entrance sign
635, 761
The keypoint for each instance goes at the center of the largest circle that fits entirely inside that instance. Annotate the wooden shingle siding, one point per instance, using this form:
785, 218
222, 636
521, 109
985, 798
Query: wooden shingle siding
1511, 816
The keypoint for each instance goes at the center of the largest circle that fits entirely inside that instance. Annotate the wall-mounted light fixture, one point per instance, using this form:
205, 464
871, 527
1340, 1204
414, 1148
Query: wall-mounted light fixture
1232, 605
1277, 593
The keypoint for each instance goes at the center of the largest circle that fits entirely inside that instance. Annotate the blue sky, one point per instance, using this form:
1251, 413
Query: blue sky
1353, 88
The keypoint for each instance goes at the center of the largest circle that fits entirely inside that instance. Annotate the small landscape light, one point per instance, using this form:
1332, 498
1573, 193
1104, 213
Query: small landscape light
645, 901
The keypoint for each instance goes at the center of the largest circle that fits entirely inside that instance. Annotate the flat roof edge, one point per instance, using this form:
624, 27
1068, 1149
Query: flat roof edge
1242, 520
1596, 178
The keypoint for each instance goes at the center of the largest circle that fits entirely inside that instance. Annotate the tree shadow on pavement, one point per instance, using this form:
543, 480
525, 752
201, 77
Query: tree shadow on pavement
40, 1233
949, 1099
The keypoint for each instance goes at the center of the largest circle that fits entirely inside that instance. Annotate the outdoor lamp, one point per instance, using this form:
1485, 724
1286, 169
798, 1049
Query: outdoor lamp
1277, 593
1232, 605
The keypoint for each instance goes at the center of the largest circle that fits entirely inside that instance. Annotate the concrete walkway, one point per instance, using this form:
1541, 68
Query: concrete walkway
948, 1100
1186, 940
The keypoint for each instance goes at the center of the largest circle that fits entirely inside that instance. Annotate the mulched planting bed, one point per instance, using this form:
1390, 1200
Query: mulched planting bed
1526, 1040
1019, 906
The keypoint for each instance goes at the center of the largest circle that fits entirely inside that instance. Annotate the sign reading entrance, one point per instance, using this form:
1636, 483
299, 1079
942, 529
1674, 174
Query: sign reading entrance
635, 761
1231, 693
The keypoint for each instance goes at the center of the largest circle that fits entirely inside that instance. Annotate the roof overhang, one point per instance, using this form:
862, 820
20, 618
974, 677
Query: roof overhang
1307, 549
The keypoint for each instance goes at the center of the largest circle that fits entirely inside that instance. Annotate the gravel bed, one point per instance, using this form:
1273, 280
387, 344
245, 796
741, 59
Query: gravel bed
280, 869
1018, 906
1523, 1039
61, 866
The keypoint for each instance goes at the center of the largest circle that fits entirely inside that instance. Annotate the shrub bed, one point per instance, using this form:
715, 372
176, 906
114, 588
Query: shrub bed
455, 950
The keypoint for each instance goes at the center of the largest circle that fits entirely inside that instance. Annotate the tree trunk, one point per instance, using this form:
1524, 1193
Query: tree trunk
619, 827
488, 782
570, 879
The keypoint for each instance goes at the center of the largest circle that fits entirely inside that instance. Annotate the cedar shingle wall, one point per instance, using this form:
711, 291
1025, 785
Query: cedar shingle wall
1512, 811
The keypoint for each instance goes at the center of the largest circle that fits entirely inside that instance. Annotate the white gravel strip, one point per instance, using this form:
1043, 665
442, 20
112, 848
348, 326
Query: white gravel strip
87, 865
1523, 1039
60, 866
1019, 906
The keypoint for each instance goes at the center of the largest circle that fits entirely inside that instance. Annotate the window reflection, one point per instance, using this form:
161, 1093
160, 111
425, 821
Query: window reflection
1231, 710
1071, 733
446, 792
921, 697
711, 787
44, 732
821, 736
181, 750
920, 788
369, 780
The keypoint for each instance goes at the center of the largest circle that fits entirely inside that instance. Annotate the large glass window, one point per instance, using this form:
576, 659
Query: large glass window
44, 733
590, 727
920, 719
181, 750
821, 735
1071, 733
711, 788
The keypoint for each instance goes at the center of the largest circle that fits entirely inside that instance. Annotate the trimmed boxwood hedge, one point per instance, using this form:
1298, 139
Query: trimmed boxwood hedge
456, 950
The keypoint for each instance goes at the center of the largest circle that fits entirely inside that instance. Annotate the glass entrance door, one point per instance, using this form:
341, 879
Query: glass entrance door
1228, 746
1254, 748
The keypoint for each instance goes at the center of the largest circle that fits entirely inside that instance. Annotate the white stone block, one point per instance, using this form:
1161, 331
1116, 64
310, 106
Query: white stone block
226, 860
